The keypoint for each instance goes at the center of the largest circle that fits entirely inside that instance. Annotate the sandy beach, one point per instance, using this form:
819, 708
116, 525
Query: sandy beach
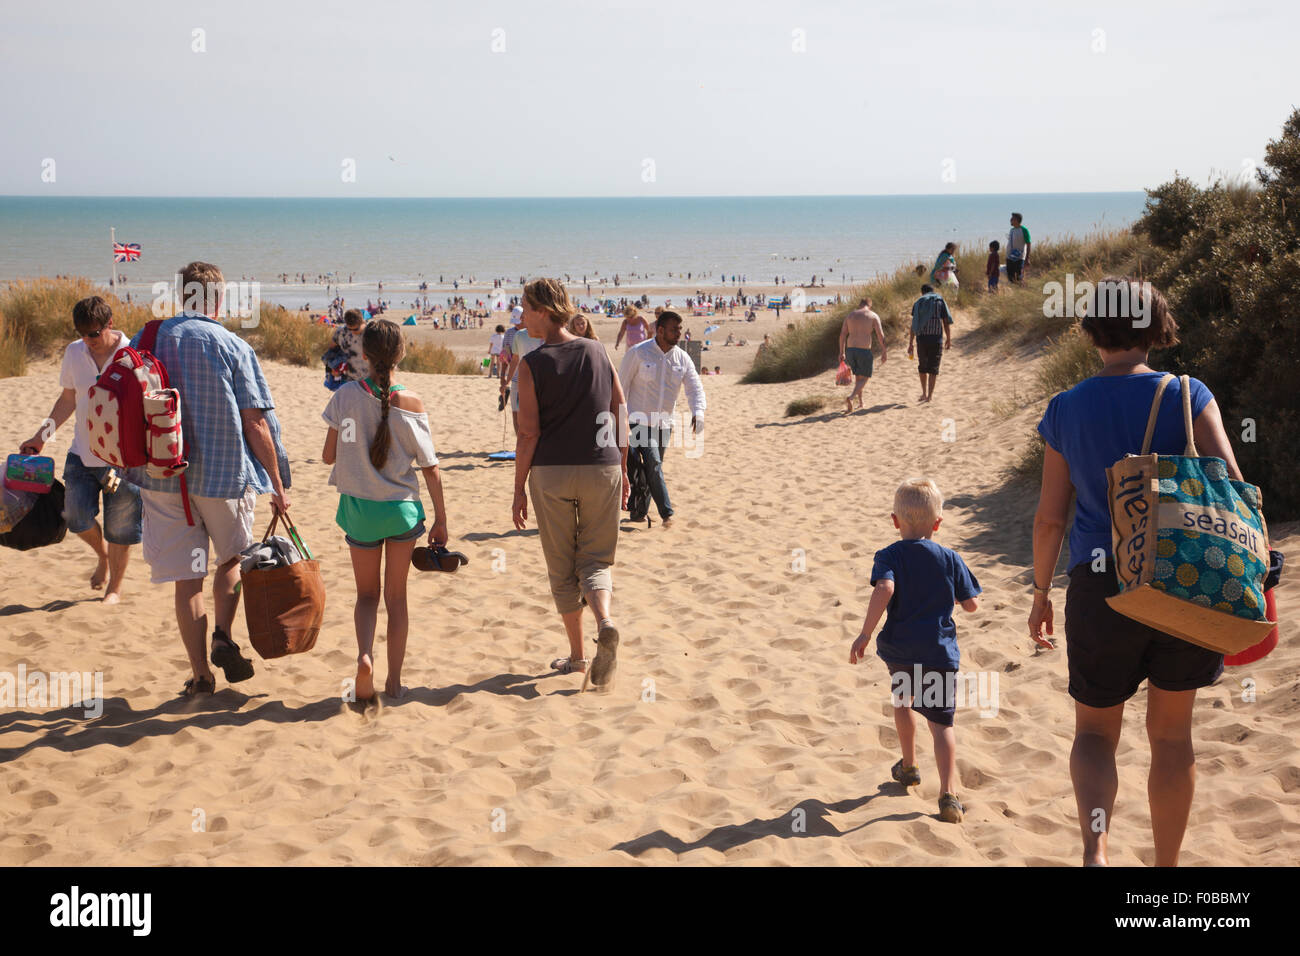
738, 732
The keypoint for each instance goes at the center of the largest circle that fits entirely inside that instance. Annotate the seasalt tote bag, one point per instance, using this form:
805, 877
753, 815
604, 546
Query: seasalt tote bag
1190, 543
284, 606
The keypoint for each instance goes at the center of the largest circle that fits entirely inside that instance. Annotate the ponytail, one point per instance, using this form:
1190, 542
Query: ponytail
383, 347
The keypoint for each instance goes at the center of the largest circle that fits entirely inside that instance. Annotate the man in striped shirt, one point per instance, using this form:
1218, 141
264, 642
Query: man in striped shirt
932, 332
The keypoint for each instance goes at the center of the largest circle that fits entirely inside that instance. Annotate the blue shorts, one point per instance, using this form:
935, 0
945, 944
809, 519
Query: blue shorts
936, 706
371, 545
81, 503
993, 281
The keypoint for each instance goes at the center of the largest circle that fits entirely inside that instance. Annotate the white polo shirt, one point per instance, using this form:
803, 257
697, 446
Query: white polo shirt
78, 372
652, 378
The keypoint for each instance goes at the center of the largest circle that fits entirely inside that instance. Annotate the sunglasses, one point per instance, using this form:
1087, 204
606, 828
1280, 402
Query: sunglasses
91, 335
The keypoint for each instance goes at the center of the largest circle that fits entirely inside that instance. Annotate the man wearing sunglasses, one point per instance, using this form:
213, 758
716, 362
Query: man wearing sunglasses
86, 477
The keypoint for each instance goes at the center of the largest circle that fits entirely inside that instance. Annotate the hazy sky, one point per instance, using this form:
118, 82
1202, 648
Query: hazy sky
633, 98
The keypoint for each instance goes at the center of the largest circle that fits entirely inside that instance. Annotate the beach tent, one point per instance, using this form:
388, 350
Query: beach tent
702, 309
410, 320
774, 301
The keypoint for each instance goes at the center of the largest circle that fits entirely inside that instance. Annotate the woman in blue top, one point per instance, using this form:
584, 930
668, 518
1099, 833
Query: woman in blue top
1086, 430
945, 266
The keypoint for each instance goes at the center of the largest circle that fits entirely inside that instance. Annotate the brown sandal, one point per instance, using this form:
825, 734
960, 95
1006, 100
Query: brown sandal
200, 685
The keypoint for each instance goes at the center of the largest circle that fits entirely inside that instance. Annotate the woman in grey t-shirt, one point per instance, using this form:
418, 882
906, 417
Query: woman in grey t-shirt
572, 456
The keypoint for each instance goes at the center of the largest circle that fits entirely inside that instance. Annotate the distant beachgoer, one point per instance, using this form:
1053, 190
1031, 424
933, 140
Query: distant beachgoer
634, 326
1085, 431
348, 338
918, 582
860, 327
1018, 243
993, 266
572, 457
379, 509
931, 327
652, 373
944, 272
520, 345
717, 370
581, 326
494, 349
86, 477
232, 441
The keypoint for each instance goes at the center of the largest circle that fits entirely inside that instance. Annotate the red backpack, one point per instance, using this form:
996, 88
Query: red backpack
135, 416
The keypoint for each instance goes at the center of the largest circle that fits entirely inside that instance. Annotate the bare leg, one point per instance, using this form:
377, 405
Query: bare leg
945, 755
930, 394
225, 599
1173, 769
95, 538
365, 569
905, 724
396, 571
192, 619
923, 392
573, 627
118, 556
1092, 768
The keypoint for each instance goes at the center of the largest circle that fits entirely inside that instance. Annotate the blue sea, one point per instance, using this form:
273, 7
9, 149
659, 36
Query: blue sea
647, 242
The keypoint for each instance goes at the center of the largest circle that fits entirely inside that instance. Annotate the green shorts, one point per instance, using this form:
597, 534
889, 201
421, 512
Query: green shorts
860, 361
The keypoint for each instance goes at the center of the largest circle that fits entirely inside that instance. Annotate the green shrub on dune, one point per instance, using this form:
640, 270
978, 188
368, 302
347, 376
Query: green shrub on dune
36, 318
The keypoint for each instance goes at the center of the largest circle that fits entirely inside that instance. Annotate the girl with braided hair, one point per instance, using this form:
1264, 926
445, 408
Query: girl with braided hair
378, 436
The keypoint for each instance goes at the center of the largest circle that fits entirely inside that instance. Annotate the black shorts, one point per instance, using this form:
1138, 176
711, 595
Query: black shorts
1015, 269
1110, 654
933, 697
928, 355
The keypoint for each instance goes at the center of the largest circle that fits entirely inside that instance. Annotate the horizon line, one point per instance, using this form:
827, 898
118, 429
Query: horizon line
1076, 192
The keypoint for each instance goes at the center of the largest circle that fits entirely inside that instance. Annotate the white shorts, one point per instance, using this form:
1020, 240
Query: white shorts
175, 551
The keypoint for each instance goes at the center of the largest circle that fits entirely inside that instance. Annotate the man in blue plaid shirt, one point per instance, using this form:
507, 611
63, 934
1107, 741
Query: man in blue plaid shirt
232, 443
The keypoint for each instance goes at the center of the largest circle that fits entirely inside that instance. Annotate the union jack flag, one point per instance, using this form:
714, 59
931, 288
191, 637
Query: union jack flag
126, 251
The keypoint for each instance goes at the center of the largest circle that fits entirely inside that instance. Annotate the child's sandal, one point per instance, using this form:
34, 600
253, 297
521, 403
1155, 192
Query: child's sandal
950, 808
907, 776
569, 665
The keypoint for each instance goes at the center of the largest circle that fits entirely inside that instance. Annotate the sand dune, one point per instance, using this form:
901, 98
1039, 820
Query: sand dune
738, 732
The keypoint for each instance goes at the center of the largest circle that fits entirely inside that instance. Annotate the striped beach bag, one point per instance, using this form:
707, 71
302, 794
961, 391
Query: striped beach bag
1190, 543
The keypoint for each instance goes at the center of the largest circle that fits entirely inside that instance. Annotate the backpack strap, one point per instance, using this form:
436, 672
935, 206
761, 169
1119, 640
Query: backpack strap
1155, 413
149, 336
1190, 450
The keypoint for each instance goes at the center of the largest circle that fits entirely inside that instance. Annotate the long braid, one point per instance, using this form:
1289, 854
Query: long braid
382, 344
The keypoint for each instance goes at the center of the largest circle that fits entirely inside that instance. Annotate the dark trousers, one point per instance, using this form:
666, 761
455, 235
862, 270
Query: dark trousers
648, 443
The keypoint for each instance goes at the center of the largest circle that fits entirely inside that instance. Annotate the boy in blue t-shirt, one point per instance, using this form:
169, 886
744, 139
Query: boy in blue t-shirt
919, 582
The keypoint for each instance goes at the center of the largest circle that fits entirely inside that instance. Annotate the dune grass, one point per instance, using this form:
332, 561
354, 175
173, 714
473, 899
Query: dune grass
807, 406
430, 358
36, 318
284, 337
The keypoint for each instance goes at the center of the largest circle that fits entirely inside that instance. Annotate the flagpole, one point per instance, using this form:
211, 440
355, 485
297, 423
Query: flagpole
112, 238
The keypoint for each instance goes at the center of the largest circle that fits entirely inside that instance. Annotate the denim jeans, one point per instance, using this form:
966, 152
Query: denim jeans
648, 442
81, 503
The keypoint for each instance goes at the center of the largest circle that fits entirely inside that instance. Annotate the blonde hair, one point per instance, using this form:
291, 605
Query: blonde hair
549, 296
590, 330
918, 504
202, 284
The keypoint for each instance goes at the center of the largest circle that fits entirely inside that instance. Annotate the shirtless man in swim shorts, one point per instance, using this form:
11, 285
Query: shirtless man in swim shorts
855, 347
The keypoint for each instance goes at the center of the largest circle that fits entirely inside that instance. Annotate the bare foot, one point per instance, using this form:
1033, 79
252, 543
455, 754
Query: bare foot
101, 574
393, 688
848, 406
667, 522
112, 597
365, 678
922, 398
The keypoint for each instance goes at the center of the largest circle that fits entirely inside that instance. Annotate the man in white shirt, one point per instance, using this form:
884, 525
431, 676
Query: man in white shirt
86, 477
652, 373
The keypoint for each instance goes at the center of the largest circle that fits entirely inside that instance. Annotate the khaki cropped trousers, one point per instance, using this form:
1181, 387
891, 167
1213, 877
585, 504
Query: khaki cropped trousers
577, 509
